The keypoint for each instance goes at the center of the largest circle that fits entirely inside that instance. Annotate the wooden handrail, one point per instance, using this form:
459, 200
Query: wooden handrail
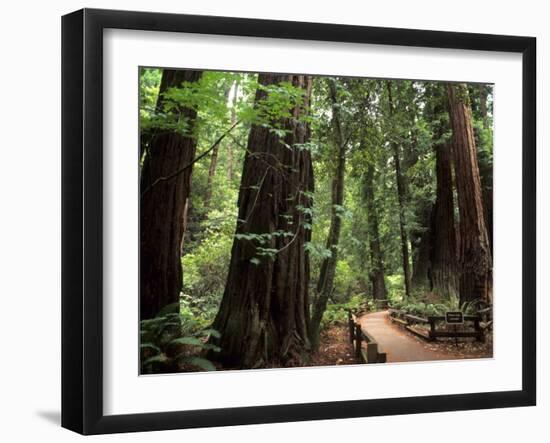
432, 320
358, 336
416, 318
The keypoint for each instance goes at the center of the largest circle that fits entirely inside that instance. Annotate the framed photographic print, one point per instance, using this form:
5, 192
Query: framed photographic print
269, 221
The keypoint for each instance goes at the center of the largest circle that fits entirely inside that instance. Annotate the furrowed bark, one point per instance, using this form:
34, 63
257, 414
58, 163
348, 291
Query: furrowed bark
263, 318
444, 255
162, 207
474, 251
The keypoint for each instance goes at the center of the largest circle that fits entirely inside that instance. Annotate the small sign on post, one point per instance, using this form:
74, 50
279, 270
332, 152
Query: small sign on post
454, 317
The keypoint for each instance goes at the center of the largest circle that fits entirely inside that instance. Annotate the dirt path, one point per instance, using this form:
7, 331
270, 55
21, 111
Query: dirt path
398, 344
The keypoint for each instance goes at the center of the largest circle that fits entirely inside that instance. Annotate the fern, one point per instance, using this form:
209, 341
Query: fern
164, 332
198, 362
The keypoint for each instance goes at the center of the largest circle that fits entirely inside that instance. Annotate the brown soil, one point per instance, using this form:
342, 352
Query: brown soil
334, 348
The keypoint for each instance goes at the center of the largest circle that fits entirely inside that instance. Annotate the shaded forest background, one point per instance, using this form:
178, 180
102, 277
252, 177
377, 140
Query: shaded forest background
271, 203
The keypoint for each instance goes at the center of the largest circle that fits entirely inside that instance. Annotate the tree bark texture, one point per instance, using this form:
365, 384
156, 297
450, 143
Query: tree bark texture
328, 265
444, 254
474, 250
162, 206
263, 316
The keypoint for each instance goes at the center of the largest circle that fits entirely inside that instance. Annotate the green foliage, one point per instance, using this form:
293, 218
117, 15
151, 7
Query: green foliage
166, 342
425, 308
337, 313
201, 363
396, 287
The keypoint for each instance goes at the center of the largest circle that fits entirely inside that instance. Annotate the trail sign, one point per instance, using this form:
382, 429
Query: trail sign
454, 317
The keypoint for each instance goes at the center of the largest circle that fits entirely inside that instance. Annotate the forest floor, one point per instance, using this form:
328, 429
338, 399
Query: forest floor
334, 348
402, 346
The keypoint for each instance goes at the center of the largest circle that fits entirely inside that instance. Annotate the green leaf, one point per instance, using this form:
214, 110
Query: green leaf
210, 346
169, 309
161, 358
192, 341
150, 346
199, 362
255, 261
212, 332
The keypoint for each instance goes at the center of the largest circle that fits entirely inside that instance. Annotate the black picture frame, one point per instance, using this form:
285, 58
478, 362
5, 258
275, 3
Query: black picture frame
82, 221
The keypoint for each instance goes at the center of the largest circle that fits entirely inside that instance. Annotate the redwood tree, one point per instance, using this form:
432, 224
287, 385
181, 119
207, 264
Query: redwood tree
164, 185
328, 265
263, 316
376, 274
474, 250
444, 255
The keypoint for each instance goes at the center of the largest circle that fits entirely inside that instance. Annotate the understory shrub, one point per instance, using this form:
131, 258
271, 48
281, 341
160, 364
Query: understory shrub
170, 342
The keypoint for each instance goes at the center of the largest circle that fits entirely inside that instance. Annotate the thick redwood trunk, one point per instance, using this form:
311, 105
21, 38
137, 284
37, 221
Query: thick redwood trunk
162, 206
263, 317
328, 266
401, 196
444, 255
376, 274
474, 250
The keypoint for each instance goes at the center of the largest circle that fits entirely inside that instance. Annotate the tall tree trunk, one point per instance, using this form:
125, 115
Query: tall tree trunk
210, 179
422, 266
184, 222
444, 255
328, 266
401, 196
263, 318
376, 274
474, 250
162, 206
486, 179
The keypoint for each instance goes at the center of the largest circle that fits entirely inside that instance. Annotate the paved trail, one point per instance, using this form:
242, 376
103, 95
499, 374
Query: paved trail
398, 344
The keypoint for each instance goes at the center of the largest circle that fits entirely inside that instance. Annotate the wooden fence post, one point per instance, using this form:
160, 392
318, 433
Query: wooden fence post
351, 327
432, 328
372, 352
477, 327
358, 340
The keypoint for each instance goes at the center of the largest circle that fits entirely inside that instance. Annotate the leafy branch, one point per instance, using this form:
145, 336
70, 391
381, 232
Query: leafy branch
195, 160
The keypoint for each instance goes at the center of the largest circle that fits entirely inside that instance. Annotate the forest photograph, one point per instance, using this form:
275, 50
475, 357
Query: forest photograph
293, 220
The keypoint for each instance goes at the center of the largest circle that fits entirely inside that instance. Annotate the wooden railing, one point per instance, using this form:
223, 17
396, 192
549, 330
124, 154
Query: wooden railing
471, 323
358, 336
